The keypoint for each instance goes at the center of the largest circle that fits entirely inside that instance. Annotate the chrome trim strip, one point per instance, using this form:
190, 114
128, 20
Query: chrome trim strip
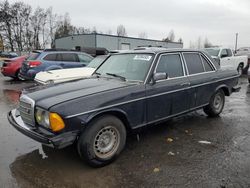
150, 69
142, 98
167, 117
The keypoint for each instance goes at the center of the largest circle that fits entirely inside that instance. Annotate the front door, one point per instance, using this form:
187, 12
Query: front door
168, 97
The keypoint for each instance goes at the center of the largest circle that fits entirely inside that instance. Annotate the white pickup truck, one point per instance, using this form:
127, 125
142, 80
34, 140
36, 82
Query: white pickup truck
227, 58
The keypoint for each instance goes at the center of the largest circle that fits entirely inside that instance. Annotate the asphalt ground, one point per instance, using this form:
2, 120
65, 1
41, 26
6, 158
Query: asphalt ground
165, 155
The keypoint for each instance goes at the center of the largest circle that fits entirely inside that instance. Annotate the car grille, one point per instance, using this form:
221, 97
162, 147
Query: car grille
26, 110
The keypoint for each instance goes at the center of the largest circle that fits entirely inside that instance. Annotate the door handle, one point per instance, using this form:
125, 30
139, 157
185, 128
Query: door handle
185, 84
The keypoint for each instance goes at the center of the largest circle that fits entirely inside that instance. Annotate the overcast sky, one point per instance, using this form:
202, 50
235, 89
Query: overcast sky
218, 20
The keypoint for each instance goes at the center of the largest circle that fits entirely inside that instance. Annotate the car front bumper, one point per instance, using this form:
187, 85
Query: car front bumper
57, 141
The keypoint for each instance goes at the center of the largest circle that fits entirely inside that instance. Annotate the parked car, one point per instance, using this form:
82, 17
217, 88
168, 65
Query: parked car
227, 58
248, 75
11, 67
52, 59
128, 91
64, 75
8, 55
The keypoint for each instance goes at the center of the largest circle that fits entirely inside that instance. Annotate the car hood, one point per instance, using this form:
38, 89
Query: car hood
56, 94
63, 75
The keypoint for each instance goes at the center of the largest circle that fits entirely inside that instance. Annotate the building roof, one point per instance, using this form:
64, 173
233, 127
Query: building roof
119, 37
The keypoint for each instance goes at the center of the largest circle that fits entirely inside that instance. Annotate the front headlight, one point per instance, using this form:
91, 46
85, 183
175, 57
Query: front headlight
49, 120
42, 117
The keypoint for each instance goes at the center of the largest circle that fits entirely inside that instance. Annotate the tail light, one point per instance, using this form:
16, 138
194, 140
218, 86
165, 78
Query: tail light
34, 63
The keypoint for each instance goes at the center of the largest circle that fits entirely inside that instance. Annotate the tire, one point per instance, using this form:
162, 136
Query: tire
102, 141
240, 69
16, 75
216, 104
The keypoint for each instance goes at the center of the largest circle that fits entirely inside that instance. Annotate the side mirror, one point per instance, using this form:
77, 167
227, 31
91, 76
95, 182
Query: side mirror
159, 76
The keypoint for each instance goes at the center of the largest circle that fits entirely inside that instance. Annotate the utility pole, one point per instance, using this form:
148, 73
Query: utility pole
236, 42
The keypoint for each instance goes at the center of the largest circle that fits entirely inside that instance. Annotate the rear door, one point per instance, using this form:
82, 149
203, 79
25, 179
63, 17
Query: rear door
70, 60
168, 97
201, 74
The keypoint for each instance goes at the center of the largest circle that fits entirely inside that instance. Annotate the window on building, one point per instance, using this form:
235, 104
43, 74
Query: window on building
170, 64
125, 46
194, 63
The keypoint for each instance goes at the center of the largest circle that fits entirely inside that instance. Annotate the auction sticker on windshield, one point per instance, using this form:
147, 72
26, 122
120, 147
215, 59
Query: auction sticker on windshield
143, 57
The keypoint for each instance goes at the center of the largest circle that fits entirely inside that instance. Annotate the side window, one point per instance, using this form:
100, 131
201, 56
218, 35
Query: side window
229, 53
206, 64
223, 53
70, 57
194, 63
84, 58
50, 57
170, 64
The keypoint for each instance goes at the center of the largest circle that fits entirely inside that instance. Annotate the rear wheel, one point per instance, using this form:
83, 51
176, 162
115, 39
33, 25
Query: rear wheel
216, 104
102, 141
16, 74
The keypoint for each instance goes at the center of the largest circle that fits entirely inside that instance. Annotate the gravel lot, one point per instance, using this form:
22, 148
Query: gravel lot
166, 155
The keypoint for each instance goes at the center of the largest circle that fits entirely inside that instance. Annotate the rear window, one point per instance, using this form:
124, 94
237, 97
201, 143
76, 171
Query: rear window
194, 63
70, 57
33, 56
206, 64
50, 57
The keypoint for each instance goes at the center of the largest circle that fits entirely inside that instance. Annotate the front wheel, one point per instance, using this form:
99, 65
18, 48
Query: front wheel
240, 69
102, 141
216, 104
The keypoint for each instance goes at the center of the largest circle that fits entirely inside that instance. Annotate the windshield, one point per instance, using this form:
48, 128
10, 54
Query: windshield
97, 61
212, 51
132, 67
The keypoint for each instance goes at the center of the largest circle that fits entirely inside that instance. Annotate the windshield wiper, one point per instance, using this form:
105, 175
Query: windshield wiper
116, 75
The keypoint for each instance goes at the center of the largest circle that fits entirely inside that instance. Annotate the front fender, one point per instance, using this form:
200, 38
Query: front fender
122, 115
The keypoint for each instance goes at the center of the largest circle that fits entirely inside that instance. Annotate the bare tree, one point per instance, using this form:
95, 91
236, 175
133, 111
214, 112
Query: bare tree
65, 28
207, 44
180, 40
199, 43
109, 32
143, 35
121, 31
171, 36
5, 21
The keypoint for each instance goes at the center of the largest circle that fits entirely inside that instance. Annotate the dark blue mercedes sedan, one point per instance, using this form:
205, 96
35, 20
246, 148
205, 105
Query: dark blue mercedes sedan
129, 90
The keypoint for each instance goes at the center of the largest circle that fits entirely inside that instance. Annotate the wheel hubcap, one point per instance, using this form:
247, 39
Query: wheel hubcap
218, 102
106, 142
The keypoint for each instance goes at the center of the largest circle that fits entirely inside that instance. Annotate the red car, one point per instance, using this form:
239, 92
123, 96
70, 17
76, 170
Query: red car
12, 66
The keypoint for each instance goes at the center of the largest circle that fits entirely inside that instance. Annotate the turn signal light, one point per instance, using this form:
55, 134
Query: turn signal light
34, 63
56, 122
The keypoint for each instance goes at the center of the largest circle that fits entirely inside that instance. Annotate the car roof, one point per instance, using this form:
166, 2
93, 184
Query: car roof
159, 50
